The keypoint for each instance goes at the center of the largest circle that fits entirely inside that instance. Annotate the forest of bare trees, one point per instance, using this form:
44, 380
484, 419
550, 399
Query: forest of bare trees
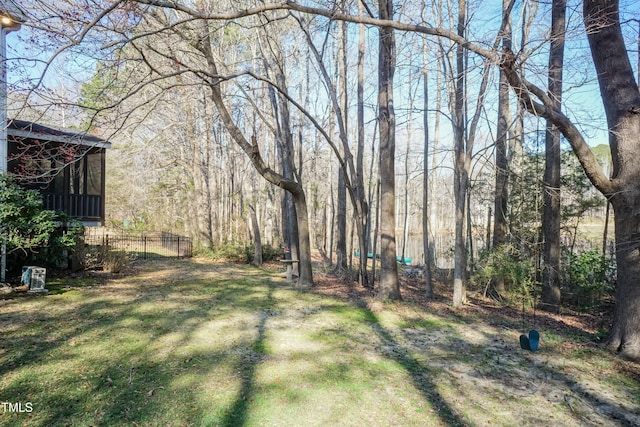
444, 132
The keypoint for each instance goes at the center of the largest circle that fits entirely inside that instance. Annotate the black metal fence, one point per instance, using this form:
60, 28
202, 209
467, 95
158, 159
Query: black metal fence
146, 245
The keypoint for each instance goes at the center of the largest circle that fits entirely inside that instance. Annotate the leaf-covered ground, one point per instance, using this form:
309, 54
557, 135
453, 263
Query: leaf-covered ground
191, 343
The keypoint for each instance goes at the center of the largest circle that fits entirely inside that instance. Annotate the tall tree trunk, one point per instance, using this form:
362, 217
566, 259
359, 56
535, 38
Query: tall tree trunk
405, 221
501, 196
389, 285
376, 233
341, 223
460, 174
621, 99
605, 232
363, 237
324, 231
350, 248
487, 240
407, 169
426, 208
341, 217
374, 194
333, 224
208, 183
257, 240
435, 210
551, 192
470, 242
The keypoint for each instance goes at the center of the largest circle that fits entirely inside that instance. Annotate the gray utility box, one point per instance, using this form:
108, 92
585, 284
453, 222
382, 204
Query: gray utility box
34, 278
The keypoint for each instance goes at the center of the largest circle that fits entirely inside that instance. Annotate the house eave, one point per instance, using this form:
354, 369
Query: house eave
29, 130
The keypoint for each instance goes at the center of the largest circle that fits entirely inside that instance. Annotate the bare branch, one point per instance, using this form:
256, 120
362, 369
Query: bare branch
327, 13
543, 107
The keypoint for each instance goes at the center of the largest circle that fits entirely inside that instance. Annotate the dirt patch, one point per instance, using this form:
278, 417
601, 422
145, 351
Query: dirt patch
491, 311
474, 354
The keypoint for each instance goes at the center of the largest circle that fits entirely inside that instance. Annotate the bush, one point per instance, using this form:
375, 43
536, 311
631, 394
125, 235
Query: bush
113, 261
228, 251
270, 253
240, 252
64, 244
506, 263
34, 234
105, 258
589, 280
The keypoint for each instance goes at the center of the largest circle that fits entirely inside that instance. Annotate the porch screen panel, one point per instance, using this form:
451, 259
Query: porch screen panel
57, 184
76, 181
94, 174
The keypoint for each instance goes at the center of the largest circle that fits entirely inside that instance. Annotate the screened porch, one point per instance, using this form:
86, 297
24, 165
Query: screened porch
66, 166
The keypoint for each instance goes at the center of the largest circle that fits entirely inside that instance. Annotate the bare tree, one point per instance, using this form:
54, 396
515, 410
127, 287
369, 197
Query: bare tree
253, 151
257, 241
461, 177
426, 183
366, 223
341, 64
551, 193
389, 287
501, 196
621, 100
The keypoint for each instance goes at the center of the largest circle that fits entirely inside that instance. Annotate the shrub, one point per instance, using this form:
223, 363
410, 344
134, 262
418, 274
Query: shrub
103, 257
270, 253
33, 233
240, 252
589, 279
65, 244
517, 272
113, 261
228, 251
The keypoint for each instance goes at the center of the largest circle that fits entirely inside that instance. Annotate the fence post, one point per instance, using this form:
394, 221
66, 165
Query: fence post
144, 243
178, 246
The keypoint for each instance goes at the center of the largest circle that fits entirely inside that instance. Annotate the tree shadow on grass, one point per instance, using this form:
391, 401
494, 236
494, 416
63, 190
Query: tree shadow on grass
609, 404
130, 382
502, 369
485, 369
236, 415
417, 371
63, 388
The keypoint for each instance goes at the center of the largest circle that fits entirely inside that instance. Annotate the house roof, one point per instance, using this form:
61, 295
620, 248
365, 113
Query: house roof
24, 129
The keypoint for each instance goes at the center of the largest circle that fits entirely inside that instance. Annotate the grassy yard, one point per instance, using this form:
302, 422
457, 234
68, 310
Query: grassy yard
190, 343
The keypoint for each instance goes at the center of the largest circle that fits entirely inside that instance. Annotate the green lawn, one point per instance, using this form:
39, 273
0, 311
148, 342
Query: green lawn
187, 343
